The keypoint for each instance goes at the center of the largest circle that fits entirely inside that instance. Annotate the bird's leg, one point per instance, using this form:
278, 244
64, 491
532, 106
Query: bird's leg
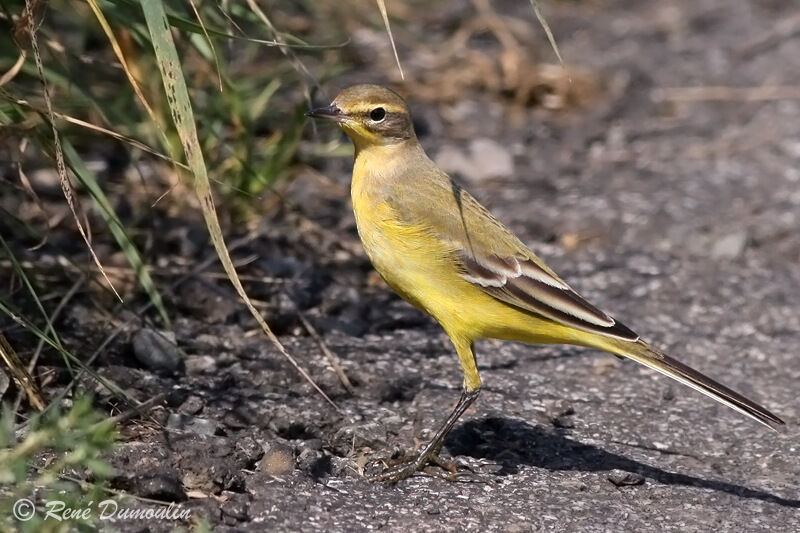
430, 453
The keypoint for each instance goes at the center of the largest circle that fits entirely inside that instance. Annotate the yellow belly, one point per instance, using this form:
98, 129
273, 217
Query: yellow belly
419, 267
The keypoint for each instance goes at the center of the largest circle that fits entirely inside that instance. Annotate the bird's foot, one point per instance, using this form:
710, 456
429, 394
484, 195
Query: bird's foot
444, 464
425, 463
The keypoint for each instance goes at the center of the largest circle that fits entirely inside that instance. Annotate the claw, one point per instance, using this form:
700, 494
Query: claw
444, 464
422, 463
430, 453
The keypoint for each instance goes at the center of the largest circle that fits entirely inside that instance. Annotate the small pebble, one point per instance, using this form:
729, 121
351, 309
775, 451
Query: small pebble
278, 459
191, 405
200, 364
156, 351
164, 487
200, 426
620, 478
729, 246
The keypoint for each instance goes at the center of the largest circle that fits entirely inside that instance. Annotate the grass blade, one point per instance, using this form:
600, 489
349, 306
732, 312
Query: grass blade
19, 271
20, 373
112, 39
66, 186
185, 24
385, 15
112, 387
298, 65
116, 227
183, 116
546, 27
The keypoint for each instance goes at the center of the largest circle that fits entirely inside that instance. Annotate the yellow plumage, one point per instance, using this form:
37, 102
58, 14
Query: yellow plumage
417, 263
442, 251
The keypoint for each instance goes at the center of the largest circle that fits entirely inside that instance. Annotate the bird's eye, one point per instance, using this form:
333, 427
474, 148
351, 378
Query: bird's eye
377, 114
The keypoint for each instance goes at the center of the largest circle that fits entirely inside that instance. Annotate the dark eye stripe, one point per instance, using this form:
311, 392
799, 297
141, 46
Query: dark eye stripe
393, 124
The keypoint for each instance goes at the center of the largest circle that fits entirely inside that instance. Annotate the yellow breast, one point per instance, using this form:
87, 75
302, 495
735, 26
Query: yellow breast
395, 249
412, 260
419, 266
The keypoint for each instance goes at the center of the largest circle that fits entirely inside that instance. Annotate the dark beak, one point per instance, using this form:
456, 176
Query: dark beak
330, 112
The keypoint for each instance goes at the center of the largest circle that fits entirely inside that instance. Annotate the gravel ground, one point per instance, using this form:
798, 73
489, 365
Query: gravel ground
678, 217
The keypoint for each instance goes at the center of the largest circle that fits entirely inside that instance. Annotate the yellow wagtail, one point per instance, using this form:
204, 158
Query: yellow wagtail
446, 254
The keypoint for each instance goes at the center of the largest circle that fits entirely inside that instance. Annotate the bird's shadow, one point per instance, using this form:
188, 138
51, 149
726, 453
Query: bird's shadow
514, 443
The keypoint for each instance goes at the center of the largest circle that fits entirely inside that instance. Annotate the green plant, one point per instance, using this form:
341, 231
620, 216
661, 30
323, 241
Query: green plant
71, 442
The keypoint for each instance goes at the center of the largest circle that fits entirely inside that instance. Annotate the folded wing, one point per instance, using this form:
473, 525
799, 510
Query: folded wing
521, 282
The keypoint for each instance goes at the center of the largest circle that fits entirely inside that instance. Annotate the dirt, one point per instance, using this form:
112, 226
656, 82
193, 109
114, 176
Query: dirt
678, 217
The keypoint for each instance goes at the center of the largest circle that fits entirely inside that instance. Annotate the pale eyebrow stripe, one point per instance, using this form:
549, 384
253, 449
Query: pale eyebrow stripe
366, 108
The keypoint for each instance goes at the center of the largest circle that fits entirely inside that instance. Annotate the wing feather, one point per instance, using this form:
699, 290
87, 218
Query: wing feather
522, 283
491, 257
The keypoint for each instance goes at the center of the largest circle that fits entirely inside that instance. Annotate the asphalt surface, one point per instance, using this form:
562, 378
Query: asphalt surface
678, 217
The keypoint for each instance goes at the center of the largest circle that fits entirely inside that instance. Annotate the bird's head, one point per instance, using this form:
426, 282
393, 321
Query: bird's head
370, 115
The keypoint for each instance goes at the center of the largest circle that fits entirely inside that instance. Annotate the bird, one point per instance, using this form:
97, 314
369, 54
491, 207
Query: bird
443, 252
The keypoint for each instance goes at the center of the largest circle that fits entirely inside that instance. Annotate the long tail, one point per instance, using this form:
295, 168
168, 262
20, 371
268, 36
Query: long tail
648, 356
